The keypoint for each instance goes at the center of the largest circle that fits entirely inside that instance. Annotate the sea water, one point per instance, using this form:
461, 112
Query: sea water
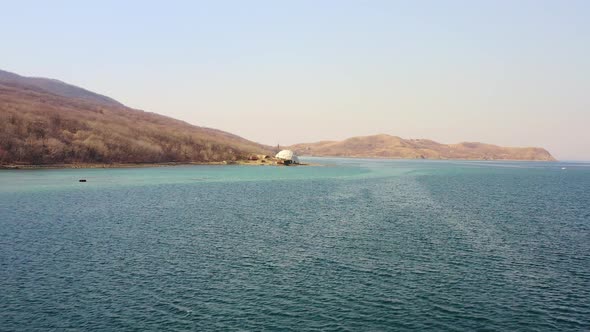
353, 244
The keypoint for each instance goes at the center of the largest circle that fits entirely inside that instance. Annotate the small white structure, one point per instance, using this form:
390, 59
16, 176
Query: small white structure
288, 157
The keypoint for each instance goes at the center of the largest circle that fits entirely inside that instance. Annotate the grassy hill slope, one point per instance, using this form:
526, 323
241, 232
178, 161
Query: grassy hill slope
386, 146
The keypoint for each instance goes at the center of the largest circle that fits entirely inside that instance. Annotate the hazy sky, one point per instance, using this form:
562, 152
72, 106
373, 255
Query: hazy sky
511, 72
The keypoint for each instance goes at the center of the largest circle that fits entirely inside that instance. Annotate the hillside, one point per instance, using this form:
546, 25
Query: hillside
386, 146
56, 87
44, 121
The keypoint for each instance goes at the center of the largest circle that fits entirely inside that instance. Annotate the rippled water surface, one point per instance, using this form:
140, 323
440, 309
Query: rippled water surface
352, 245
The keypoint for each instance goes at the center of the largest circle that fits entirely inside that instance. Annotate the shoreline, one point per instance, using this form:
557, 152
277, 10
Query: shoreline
430, 159
146, 165
267, 162
85, 166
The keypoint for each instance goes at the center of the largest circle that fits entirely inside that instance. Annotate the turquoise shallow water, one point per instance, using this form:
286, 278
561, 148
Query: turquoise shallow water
352, 245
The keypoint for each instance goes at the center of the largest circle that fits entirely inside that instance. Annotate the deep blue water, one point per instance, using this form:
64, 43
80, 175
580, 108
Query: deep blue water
354, 245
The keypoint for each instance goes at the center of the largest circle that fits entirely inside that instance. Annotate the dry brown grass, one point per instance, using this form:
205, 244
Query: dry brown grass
386, 146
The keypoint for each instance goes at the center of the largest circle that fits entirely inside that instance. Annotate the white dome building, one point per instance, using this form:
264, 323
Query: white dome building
288, 157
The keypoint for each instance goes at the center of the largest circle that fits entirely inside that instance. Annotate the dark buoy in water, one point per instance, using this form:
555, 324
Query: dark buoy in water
82, 180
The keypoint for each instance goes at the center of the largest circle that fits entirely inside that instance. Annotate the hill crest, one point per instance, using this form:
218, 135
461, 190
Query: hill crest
388, 146
57, 87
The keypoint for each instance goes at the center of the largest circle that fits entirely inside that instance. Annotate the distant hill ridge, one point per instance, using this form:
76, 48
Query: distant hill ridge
57, 87
45, 121
387, 146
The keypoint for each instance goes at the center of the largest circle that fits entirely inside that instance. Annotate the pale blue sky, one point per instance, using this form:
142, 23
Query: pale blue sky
506, 72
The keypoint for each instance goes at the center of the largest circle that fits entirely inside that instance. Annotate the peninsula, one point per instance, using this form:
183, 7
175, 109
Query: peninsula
387, 146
